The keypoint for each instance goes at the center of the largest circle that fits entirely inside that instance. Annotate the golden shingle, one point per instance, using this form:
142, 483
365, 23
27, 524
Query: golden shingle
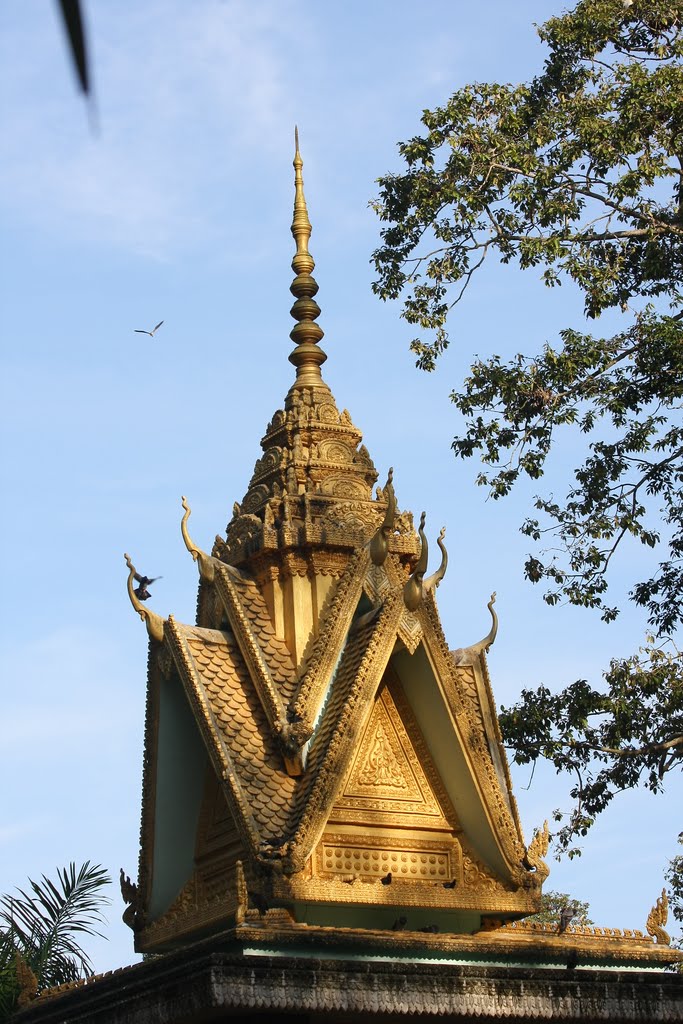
222, 676
275, 650
342, 685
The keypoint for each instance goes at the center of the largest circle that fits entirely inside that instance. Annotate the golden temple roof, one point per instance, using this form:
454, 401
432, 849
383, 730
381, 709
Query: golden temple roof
236, 725
313, 747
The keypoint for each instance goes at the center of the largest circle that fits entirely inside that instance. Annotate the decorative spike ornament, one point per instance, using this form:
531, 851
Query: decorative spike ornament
154, 622
436, 577
206, 564
483, 645
379, 545
307, 356
412, 592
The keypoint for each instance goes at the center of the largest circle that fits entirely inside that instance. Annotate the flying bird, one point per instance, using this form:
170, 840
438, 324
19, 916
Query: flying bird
141, 592
151, 333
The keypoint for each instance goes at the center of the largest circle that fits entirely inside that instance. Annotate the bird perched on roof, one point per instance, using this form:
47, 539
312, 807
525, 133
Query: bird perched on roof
400, 924
151, 333
386, 880
141, 592
259, 901
566, 914
450, 885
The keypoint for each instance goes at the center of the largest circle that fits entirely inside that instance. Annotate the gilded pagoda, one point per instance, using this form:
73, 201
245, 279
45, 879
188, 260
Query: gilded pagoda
320, 766
315, 755
328, 826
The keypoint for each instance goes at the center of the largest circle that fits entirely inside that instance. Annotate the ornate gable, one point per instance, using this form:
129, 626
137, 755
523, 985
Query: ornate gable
318, 762
388, 783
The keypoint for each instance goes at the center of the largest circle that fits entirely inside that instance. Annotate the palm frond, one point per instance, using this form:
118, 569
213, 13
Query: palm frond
45, 922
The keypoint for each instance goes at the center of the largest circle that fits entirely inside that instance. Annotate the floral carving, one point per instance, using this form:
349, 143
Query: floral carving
276, 422
477, 877
382, 767
353, 514
334, 451
327, 413
242, 531
267, 463
404, 523
345, 487
255, 498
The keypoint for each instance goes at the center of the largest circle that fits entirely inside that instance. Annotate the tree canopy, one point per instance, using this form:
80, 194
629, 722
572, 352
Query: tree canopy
41, 931
552, 905
576, 175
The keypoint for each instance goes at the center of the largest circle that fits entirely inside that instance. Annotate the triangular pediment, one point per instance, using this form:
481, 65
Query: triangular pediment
389, 780
217, 832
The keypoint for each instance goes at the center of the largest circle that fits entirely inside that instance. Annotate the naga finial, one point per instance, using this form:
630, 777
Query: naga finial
483, 645
307, 356
433, 581
656, 920
206, 565
412, 592
379, 545
536, 851
130, 896
153, 622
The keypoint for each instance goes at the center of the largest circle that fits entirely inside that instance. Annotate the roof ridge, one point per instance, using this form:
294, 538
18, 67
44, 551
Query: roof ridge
358, 675
275, 651
508, 832
328, 644
251, 650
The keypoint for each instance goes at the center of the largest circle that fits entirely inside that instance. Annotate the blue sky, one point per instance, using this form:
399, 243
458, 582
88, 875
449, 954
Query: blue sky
178, 208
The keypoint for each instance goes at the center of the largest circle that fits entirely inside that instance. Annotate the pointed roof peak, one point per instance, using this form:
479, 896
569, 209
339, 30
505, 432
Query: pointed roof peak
307, 356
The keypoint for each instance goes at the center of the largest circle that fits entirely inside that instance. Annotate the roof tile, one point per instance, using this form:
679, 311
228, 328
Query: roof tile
274, 649
243, 728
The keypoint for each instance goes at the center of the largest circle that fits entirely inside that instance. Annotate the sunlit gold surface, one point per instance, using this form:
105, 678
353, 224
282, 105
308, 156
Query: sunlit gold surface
352, 763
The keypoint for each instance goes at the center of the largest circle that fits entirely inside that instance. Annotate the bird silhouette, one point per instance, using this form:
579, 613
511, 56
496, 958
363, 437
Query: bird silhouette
141, 592
566, 914
151, 333
400, 924
387, 879
259, 901
450, 885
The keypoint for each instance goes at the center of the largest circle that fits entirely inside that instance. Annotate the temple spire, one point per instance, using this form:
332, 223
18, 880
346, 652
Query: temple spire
307, 356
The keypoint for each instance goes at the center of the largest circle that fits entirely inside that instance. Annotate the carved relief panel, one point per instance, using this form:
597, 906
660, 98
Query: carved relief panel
392, 780
393, 814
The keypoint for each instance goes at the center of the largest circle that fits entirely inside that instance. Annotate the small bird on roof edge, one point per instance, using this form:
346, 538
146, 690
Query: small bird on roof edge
566, 914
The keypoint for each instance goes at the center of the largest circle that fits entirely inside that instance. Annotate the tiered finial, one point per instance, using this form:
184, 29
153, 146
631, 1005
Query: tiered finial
307, 356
